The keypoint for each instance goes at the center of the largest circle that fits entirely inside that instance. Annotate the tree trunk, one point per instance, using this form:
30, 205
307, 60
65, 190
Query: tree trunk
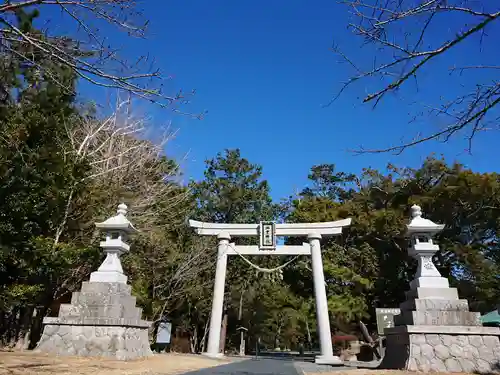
14, 327
37, 327
240, 309
204, 339
222, 342
23, 334
242, 334
309, 340
277, 338
194, 339
3, 326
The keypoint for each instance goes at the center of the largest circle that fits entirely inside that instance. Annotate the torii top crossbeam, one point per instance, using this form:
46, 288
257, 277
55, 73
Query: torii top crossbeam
329, 228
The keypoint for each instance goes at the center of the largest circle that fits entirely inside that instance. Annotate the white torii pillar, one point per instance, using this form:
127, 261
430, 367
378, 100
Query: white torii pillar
314, 233
325, 333
218, 298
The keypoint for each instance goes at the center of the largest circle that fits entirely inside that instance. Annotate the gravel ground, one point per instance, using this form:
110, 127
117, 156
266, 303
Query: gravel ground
29, 363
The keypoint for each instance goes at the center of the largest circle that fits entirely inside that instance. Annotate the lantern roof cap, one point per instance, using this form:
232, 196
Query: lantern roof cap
418, 224
118, 222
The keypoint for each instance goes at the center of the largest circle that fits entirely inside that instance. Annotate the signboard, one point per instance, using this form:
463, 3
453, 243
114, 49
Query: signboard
164, 333
385, 318
267, 235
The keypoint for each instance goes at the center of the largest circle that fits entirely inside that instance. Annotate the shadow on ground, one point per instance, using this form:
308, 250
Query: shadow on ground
266, 366
260, 366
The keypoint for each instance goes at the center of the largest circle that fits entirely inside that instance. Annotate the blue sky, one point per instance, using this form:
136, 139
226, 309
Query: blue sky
264, 70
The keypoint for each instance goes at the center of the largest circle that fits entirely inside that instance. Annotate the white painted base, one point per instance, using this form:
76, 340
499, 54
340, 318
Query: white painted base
433, 293
107, 277
333, 360
445, 330
429, 282
212, 355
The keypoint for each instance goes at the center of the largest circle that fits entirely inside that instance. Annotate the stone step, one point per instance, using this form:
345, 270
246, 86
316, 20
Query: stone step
100, 311
127, 302
438, 318
106, 288
87, 298
122, 322
435, 305
433, 293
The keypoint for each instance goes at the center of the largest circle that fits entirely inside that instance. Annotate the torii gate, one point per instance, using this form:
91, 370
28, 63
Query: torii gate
268, 231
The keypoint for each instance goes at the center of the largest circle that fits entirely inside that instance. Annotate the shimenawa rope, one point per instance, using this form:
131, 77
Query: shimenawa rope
261, 269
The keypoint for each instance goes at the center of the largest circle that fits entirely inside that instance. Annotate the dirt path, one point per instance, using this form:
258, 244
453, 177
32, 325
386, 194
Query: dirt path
29, 363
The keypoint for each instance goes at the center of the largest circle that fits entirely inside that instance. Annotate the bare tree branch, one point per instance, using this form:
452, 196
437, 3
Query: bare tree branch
399, 32
125, 157
87, 50
189, 267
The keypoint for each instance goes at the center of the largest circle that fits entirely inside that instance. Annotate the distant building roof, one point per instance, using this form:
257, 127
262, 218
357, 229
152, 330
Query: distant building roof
492, 318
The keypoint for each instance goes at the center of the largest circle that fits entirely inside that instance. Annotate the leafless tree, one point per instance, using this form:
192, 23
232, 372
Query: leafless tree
85, 47
188, 275
406, 38
126, 155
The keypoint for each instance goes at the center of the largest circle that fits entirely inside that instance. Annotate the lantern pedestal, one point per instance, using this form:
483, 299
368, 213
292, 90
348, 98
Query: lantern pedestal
102, 319
445, 349
435, 331
110, 270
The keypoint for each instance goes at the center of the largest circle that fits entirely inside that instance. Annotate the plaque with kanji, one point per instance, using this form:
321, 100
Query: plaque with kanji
267, 235
385, 318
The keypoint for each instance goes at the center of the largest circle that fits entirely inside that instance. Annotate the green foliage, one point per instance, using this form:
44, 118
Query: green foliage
37, 175
18, 295
233, 191
327, 183
56, 263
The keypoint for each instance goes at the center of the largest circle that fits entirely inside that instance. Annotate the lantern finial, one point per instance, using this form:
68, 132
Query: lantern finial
122, 209
416, 211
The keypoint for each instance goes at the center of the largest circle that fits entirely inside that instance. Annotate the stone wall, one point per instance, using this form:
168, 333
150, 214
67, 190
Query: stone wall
428, 352
122, 343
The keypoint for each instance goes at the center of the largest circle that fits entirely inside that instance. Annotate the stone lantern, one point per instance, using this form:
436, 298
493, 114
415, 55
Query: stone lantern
435, 331
421, 231
102, 319
117, 229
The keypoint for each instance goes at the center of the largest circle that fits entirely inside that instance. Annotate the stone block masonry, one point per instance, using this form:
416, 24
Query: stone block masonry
101, 321
119, 342
473, 350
